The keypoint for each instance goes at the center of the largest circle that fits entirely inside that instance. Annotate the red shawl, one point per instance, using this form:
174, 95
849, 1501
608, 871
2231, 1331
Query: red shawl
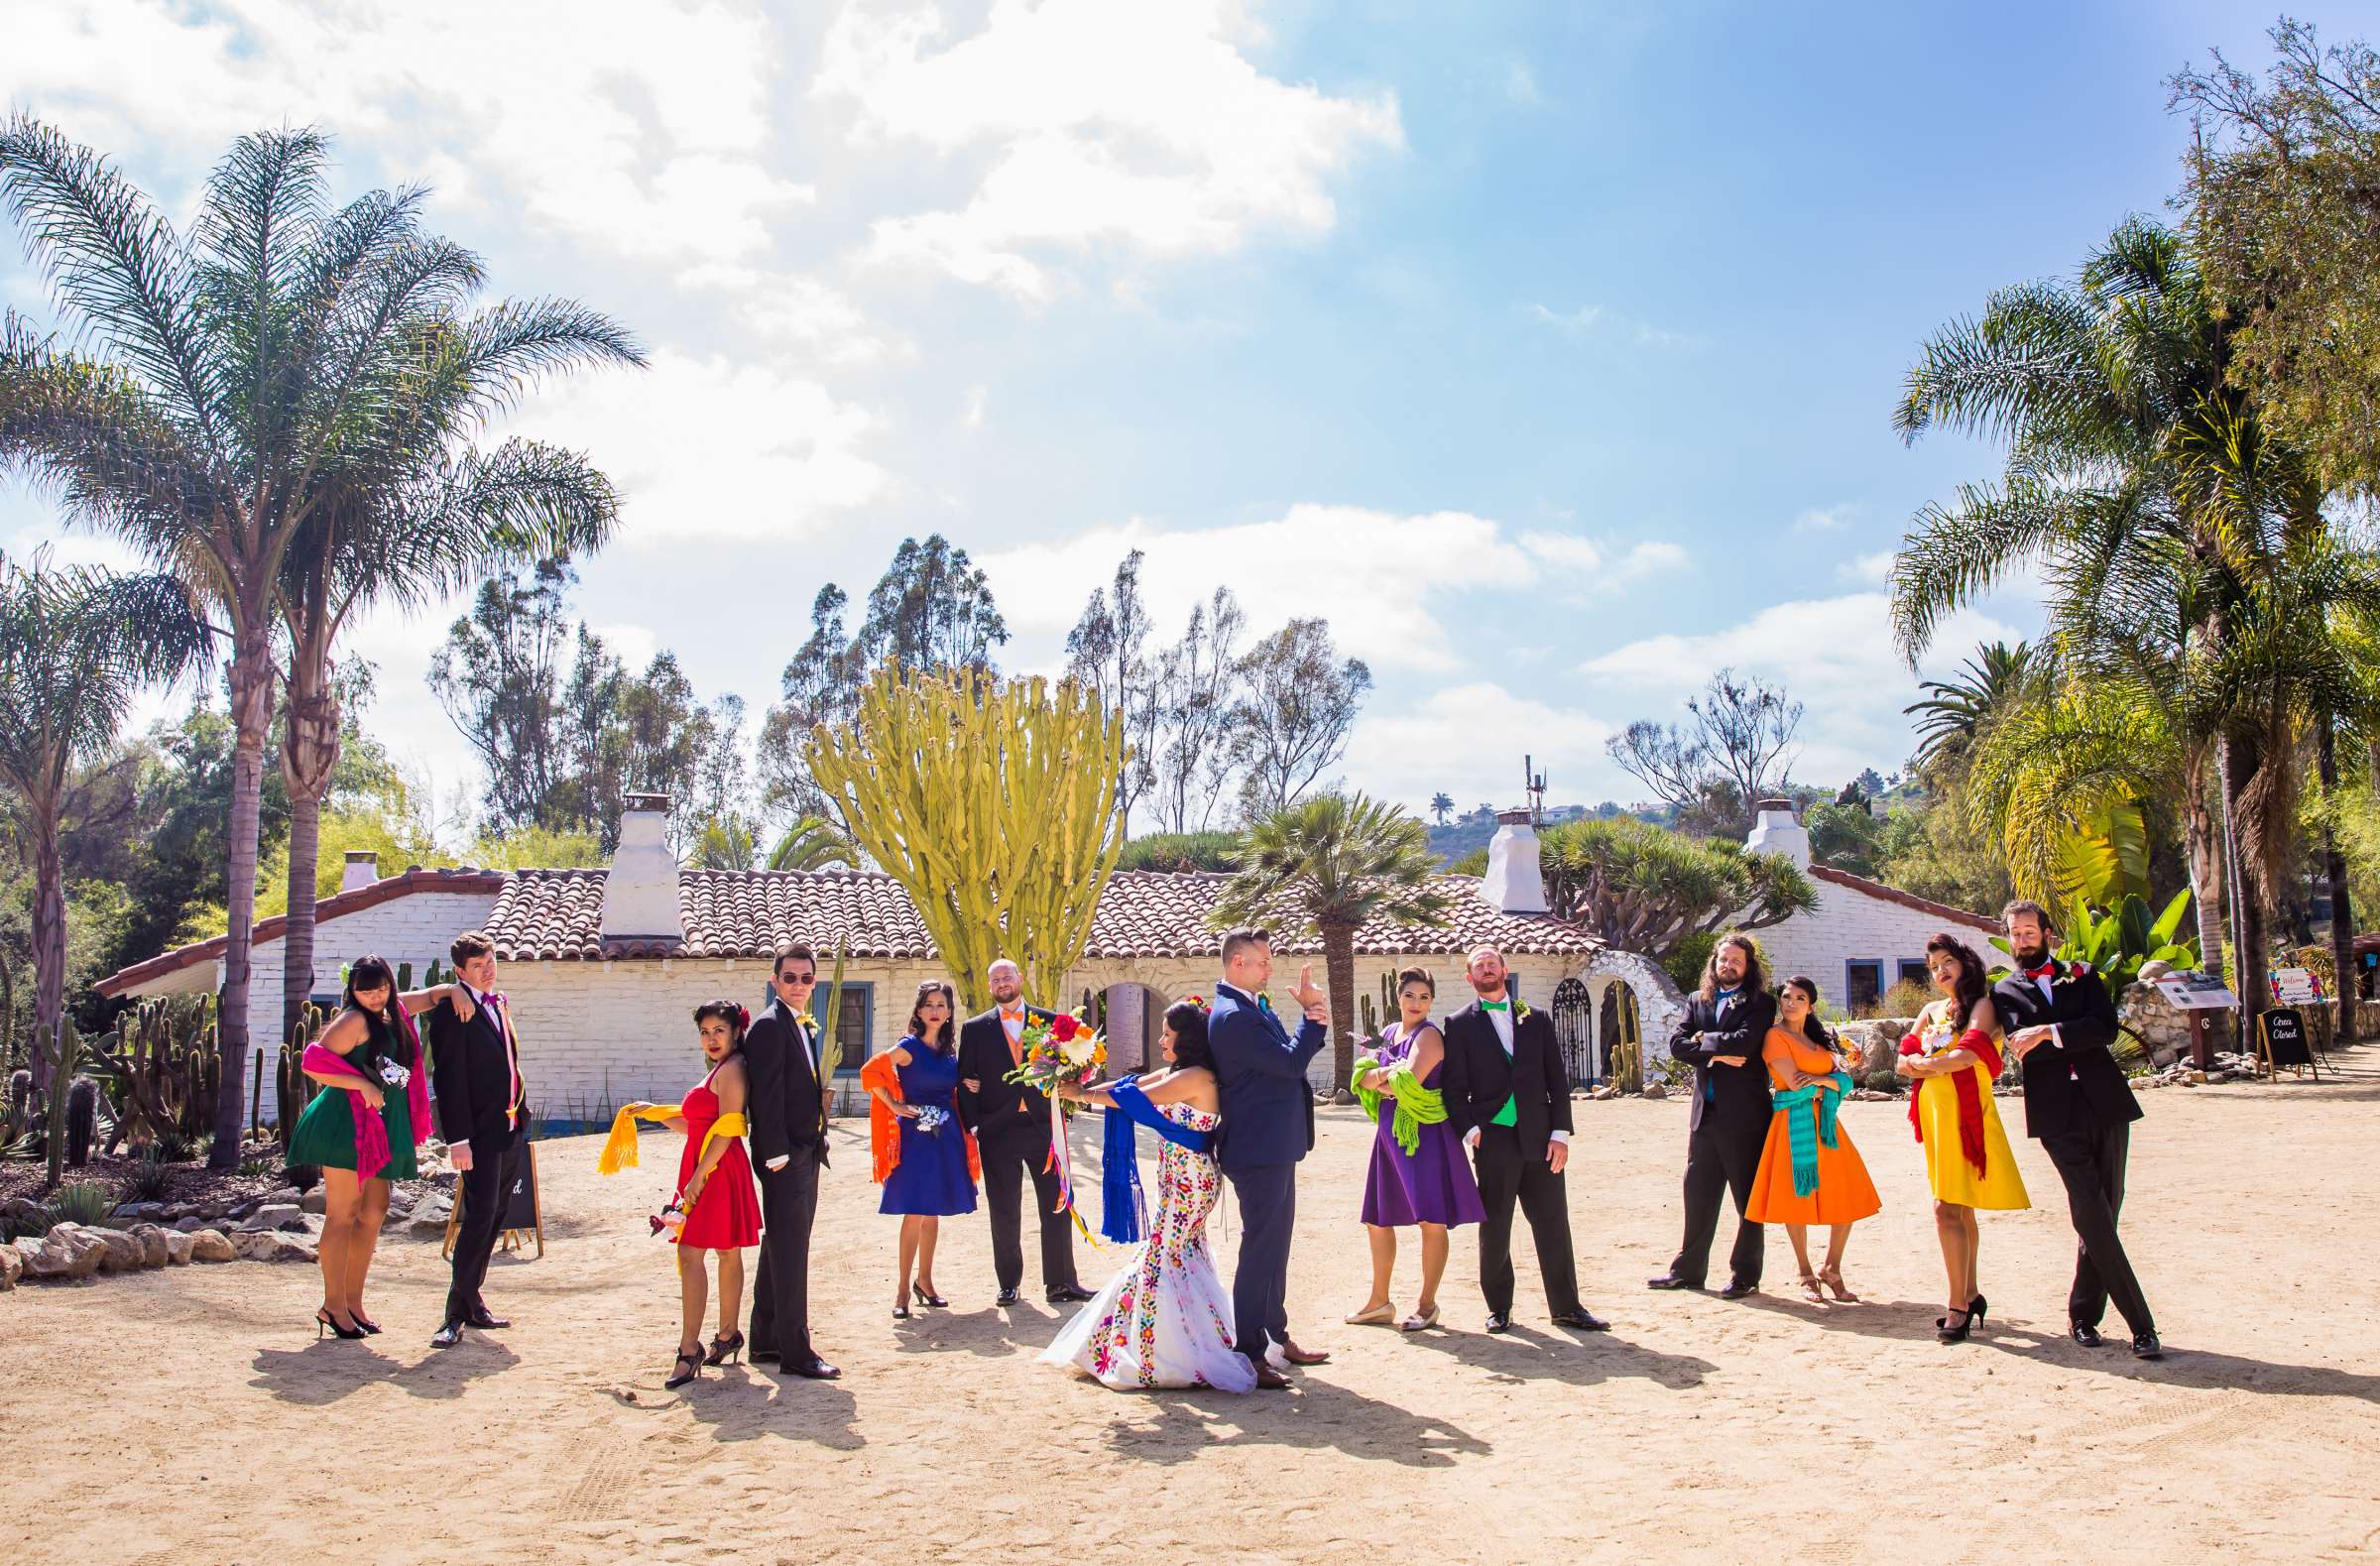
371, 1153
1971, 1093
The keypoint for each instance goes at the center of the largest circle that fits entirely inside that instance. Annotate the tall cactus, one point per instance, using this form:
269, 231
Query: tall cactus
994, 804
830, 1020
292, 1089
164, 1056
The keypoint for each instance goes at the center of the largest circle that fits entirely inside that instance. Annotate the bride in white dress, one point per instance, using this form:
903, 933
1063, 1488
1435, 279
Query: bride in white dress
1166, 1318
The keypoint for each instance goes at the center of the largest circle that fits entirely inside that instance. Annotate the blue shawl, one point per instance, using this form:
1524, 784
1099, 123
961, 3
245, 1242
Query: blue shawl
1123, 1211
1805, 1131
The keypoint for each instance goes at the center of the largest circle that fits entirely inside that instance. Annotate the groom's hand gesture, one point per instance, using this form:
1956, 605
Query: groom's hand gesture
1316, 1004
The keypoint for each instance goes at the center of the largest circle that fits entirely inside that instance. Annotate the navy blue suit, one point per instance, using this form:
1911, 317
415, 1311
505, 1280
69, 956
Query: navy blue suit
1268, 1128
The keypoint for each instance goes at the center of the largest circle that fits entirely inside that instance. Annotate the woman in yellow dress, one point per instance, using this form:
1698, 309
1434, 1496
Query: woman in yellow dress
1953, 1058
1809, 1173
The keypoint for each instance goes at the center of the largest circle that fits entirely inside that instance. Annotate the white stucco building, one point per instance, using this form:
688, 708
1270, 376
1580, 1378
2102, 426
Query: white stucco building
604, 967
1864, 936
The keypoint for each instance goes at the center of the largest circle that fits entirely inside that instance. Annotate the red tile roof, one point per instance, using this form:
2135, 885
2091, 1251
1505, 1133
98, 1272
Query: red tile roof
558, 914
1907, 899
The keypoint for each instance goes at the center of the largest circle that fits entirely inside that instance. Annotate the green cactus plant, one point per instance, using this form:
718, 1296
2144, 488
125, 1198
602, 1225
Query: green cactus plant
292, 1088
165, 1068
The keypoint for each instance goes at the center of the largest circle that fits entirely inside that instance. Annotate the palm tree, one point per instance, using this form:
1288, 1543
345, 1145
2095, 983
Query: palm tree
222, 390
1441, 804
77, 648
408, 530
2186, 552
812, 843
1955, 708
1334, 864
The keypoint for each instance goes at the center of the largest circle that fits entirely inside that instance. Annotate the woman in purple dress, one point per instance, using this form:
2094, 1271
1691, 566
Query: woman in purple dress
1431, 1185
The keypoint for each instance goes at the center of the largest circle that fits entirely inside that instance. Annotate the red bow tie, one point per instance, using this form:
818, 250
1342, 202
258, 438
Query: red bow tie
2048, 968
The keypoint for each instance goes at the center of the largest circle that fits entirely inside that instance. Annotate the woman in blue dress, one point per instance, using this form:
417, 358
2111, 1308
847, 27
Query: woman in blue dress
924, 1157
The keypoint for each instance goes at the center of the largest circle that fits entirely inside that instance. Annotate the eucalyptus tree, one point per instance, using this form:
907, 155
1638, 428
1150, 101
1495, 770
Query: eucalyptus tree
219, 390
76, 649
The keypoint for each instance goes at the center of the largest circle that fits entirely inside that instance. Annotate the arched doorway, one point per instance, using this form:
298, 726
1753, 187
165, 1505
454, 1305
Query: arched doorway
1637, 1005
1574, 1029
1621, 1038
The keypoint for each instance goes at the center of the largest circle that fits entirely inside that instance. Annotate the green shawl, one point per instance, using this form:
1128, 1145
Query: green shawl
1416, 1106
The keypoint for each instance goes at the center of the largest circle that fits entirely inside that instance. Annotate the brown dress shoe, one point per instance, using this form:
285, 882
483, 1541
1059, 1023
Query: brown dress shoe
1267, 1379
1297, 1356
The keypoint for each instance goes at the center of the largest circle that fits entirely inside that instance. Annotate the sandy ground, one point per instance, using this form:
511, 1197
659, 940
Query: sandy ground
189, 1416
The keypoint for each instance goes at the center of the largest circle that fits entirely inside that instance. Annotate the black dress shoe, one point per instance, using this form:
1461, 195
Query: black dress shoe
1498, 1321
1071, 1294
2087, 1336
1670, 1280
1737, 1288
486, 1322
1007, 1297
815, 1368
447, 1337
1581, 1320
2146, 1347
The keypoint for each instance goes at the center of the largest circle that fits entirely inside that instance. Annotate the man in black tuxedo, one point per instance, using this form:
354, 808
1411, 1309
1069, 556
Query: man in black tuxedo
1266, 1132
1725, 1025
788, 1142
1508, 1098
475, 1070
2061, 1020
1011, 1122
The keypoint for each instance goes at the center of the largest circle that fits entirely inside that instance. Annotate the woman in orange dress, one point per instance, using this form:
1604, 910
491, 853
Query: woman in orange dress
1809, 1173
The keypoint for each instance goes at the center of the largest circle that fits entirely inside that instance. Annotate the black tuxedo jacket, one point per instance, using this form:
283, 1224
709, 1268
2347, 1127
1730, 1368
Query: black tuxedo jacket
1478, 1077
472, 1077
1737, 1095
2072, 1083
788, 1114
997, 1107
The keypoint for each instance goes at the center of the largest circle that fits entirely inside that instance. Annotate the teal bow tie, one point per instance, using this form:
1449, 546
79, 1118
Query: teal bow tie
1496, 1005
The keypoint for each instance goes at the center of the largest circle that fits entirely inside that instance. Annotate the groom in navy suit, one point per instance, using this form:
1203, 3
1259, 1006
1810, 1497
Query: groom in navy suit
1268, 1128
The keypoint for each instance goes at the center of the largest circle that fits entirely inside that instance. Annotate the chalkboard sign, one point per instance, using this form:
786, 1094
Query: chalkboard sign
523, 1223
2284, 1040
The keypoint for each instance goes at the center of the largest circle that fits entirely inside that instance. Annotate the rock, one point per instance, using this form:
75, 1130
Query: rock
24, 1214
124, 1253
66, 1251
426, 1223
12, 1266
286, 1194
1656, 1089
179, 1211
316, 1200
177, 1247
209, 1245
239, 1210
272, 1215
139, 1212
154, 1250
189, 1225
270, 1244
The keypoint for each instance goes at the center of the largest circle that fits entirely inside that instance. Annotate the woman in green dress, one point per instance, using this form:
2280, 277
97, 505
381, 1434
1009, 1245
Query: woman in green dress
372, 1036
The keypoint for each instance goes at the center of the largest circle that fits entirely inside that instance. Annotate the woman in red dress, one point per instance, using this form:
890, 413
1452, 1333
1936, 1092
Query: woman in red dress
716, 1209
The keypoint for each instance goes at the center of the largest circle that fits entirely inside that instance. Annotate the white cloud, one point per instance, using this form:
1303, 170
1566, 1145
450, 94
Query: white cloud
1825, 518
787, 307
1521, 85
1137, 128
1592, 318
972, 416
707, 447
1469, 739
643, 134
1353, 566
1875, 569
1834, 655
1578, 321
633, 645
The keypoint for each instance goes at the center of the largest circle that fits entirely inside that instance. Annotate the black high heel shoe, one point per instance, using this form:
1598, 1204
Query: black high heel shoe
924, 1298
1974, 1310
1944, 1332
901, 1310
725, 1349
324, 1318
686, 1368
371, 1327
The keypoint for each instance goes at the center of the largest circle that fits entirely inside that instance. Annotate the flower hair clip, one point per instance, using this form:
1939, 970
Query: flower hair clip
1201, 1001
743, 1020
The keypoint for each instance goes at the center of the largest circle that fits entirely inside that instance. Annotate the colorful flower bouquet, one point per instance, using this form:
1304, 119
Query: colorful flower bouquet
1059, 1049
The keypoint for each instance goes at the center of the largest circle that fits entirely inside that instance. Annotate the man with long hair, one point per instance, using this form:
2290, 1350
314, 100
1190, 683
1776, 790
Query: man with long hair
1725, 1023
2061, 1022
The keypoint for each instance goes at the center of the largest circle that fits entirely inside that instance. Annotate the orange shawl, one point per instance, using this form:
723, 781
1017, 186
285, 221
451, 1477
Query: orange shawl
883, 1126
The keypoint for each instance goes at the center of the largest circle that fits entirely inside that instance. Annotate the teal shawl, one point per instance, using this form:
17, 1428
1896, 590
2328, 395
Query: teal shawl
1810, 1121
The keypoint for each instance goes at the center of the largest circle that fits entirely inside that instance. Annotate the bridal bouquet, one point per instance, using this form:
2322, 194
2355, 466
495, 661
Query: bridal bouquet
1059, 1049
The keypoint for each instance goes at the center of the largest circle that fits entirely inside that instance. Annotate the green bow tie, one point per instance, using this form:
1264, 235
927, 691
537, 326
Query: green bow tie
1496, 1005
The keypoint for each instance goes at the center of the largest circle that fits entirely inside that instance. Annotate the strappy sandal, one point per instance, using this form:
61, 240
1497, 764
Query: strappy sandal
1421, 1320
1377, 1316
1811, 1290
1832, 1277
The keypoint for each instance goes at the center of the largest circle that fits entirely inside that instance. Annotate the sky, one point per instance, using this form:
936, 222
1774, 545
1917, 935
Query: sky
1548, 352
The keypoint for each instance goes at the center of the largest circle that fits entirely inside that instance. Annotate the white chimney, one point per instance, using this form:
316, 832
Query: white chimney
1775, 831
1513, 884
363, 868
639, 896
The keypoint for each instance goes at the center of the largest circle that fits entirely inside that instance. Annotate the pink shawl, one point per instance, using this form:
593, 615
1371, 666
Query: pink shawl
371, 1131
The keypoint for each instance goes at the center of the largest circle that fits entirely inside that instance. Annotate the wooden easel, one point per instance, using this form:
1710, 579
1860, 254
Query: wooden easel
2303, 1045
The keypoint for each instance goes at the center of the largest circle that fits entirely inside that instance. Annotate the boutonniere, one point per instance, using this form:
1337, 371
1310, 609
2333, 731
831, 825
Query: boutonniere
1520, 1011
806, 1018
1265, 1004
